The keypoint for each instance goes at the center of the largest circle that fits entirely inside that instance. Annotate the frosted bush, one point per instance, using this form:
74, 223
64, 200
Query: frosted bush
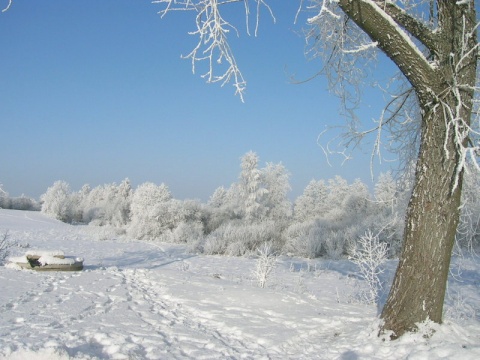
304, 239
265, 265
24, 203
238, 238
190, 233
237, 248
334, 243
369, 254
214, 244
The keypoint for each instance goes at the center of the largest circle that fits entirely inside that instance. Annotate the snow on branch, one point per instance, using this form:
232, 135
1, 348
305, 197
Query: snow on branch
212, 30
361, 48
8, 6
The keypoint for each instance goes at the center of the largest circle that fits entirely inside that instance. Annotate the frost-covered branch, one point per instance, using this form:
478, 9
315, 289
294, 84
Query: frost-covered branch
8, 6
347, 34
212, 31
416, 27
465, 129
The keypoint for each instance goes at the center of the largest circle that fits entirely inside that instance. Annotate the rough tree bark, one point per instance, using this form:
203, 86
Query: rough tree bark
444, 86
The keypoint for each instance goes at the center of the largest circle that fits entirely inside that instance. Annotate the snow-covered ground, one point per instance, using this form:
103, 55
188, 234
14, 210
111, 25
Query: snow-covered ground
140, 300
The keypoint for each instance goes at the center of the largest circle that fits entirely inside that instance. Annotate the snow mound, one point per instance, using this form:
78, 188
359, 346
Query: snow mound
52, 260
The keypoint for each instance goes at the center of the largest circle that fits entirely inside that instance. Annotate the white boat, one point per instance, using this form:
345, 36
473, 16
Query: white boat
41, 260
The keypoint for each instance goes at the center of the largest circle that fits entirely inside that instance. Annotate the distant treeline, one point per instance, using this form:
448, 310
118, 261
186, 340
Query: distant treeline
18, 203
327, 220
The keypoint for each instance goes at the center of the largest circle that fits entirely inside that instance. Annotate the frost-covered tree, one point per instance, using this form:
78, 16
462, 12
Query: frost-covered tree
438, 57
357, 200
118, 206
338, 190
276, 182
217, 207
149, 211
251, 187
218, 198
24, 202
434, 45
57, 201
312, 203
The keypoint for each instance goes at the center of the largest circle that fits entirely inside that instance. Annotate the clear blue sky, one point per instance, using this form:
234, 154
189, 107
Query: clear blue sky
95, 91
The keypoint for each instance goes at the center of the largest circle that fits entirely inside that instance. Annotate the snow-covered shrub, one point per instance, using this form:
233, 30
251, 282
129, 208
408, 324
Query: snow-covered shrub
192, 211
329, 237
57, 202
18, 203
215, 243
334, 243
303, 239
247, 238
369, 253
237, 238
24, 203
265, 264
333, 216
190, 233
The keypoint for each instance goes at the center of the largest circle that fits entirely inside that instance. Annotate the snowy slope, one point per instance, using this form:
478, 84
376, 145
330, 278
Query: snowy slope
138, 300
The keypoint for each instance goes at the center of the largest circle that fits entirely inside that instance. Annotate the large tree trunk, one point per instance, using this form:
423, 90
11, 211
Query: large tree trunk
444, 89
418, 289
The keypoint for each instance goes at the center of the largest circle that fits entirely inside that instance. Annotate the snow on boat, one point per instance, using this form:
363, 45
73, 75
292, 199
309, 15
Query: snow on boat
41, 260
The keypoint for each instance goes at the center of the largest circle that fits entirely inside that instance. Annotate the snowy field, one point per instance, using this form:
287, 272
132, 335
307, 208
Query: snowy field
140, 300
